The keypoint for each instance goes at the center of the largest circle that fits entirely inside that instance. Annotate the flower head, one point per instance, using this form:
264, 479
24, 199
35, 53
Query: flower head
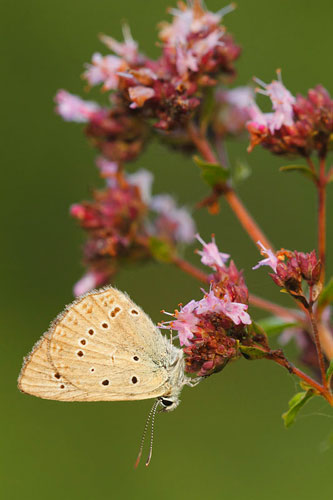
210, 254
291, 269
297, 125
212, 328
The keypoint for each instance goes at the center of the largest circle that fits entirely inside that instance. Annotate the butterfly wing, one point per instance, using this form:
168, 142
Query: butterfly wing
105, 348
40, 378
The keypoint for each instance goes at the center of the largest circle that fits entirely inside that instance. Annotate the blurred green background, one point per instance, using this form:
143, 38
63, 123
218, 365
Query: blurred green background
227, 437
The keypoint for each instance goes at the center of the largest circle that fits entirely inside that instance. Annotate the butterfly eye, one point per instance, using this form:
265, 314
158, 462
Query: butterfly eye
166, 402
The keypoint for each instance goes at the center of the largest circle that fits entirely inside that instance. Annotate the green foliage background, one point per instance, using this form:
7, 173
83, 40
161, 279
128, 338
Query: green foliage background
227, 437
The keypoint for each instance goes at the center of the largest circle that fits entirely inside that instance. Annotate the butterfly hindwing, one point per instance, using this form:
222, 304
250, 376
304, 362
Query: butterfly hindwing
107, 346
40, 378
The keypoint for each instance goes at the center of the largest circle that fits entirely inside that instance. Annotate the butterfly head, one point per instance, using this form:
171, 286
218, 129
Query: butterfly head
169, 403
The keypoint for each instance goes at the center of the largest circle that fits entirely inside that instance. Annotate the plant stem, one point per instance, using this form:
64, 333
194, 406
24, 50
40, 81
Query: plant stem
279, 358
318, 346
247, 221
188, 268
241, 212
275, 309
322, 217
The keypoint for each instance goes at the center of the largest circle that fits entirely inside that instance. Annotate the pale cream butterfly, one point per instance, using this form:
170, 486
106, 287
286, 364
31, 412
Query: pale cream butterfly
103, 347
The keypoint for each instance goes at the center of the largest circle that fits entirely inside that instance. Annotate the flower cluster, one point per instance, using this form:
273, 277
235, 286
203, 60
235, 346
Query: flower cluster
196, 50
211, 328
298, 125
291, 269
120, 221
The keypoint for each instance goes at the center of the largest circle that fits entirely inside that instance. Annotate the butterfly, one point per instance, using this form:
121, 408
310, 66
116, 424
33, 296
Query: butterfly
103, 347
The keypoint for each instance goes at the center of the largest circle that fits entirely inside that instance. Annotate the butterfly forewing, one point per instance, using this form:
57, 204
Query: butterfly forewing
106, 347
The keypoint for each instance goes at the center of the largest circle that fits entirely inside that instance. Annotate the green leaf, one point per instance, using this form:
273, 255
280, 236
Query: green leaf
329, 371
161, 250
255, 329
295, 404
252, 352
326, 295
273, 325
241, 171
212, 173
302, 169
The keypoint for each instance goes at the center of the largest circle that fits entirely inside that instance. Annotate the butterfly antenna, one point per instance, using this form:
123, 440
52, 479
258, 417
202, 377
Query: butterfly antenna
145, 432
154, 409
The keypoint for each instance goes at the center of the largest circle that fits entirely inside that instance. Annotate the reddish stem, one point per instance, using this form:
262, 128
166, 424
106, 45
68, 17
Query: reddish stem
322, 216
241, 212
190, 269
318, 346
247, 221
279, 358
275, 309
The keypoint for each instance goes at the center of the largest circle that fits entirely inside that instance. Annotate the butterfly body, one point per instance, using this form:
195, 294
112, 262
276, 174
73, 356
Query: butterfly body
103, 347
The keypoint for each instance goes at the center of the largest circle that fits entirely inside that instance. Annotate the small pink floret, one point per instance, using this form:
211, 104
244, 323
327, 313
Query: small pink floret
271, 260
106, 167
185, 323
128, 49
282, 103
88, 282
104, 70
143, 179
74, 109
77, 211
210, 255
236, 312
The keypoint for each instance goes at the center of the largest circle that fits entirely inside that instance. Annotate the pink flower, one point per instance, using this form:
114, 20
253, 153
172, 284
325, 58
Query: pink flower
271, 260
185, 60
139, 95
208, 43
210, 255
236, 312
89, 281
240, 97
74, 109
211, 304
128, 50
106, 167
185, 324
282, 103
190, 19
143, 179
104, 70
